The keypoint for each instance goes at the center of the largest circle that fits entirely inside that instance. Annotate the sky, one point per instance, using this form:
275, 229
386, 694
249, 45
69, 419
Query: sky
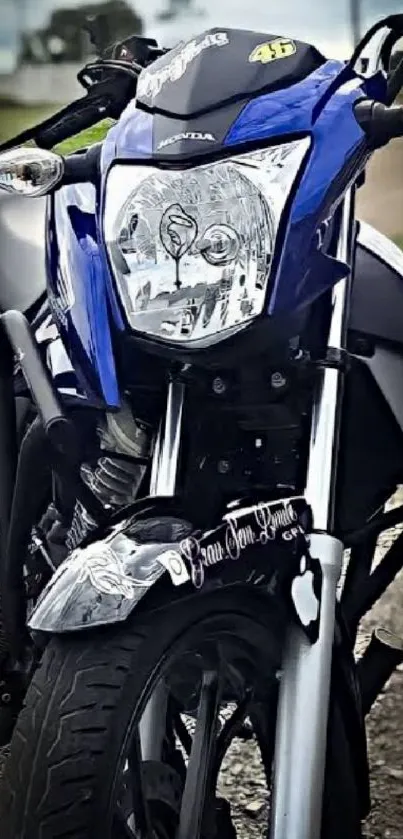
324, 23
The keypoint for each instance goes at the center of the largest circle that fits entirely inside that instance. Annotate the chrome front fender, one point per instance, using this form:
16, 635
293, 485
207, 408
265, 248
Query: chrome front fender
102, 583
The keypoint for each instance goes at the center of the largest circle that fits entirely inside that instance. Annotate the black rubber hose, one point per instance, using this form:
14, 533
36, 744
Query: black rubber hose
32, 490
8, 465
393, 22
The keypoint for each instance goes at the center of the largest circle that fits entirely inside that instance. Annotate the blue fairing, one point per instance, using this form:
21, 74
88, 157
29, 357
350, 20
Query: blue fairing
321, 105
79, 295
131, 137
76, 257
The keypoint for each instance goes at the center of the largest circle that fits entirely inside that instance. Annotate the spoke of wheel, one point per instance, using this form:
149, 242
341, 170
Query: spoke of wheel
200, 760
227, 734
121, 829
262, 718
140, 805
183, 734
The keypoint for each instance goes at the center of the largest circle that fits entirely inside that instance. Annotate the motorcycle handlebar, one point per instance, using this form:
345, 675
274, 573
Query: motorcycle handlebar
381, 123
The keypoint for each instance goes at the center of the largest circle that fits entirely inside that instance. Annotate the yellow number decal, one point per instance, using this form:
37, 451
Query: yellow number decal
272, 51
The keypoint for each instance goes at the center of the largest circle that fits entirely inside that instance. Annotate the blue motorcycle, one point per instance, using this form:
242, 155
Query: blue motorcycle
201, 410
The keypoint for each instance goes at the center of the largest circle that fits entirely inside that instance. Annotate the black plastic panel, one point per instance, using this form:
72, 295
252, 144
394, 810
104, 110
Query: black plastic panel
222, 66
371, 448
194, 136
377, 299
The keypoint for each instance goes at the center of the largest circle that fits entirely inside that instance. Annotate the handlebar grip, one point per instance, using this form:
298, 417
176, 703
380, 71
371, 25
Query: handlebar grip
83, 167
379, 122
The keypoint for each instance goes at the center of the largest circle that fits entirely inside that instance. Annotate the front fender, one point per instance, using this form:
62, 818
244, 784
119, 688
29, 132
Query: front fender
102, 583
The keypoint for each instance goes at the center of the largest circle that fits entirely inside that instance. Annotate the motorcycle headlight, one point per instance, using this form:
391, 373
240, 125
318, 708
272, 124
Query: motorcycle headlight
191, 249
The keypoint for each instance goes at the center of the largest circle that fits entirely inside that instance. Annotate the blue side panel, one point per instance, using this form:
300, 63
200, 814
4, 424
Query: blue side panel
321, 106
78, 293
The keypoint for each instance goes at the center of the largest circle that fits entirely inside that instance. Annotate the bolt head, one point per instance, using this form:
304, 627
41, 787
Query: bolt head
219, 386
278, 380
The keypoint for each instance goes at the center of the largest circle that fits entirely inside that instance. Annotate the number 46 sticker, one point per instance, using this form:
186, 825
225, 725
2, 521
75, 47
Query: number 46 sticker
272, 51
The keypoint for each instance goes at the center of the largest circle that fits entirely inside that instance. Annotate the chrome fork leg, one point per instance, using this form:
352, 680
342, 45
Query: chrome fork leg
164, 473
301, 736
165, 465
303, 712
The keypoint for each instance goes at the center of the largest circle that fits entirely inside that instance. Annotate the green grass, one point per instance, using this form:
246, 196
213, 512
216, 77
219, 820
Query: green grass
16, 118
399, 241
86, 138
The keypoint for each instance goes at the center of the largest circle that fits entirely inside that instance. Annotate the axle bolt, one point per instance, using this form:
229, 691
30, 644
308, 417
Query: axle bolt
219, 386
278, 380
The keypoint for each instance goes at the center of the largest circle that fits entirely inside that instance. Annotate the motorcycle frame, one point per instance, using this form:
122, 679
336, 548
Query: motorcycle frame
306, 672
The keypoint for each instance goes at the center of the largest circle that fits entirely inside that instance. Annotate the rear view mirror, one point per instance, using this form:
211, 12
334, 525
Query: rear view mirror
29, 171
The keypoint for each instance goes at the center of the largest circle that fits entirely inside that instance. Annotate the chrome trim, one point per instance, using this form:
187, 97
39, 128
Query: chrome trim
152, 727
323, 448
164, 475
165, 464
301, 734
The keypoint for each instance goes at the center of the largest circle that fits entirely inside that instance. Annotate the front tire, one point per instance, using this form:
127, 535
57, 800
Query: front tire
69, 744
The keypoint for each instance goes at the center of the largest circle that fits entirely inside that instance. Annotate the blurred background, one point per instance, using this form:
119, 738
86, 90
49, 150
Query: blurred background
43, 45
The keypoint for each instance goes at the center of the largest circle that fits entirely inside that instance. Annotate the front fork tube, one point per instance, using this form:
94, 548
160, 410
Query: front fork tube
303, 711
301, 735
164, 475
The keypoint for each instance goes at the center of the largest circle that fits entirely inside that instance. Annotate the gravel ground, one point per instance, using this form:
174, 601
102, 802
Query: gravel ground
385, 723
242, 780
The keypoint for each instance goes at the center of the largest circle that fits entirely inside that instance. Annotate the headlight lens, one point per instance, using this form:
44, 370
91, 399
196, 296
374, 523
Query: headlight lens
191, 250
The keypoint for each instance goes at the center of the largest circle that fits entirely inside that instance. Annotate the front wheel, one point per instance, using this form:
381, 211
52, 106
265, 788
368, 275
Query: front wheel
76, 767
